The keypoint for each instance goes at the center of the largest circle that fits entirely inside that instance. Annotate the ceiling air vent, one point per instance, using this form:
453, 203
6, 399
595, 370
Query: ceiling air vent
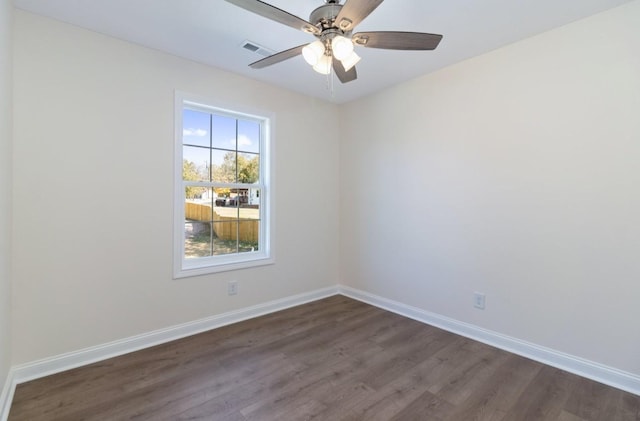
256, 48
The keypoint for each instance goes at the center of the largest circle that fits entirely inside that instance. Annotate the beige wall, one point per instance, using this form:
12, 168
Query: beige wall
6, 13
515, 174
94, 139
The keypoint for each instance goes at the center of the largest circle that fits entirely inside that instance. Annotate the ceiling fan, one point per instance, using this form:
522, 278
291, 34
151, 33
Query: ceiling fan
332, 24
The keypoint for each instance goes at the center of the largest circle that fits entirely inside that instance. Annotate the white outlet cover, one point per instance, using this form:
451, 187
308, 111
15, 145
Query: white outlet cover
232, 288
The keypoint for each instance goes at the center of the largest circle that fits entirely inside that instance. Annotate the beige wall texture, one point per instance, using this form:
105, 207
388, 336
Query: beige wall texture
514, 174
93, 191
6, 67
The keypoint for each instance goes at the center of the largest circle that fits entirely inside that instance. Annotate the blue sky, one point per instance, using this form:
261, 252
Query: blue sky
196, 127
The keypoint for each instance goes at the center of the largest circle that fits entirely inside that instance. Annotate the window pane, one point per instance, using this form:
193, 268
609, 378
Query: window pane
248, 136
227, 208
221, 196
224, 132
195, 163
234, 201
195, 127
197, 239
225, 237
198, 216
196, 194
249, 233
250, 204
197, 204
248, 168
224, 166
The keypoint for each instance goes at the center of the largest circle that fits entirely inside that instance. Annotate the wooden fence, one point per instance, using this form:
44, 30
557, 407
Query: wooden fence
223, 225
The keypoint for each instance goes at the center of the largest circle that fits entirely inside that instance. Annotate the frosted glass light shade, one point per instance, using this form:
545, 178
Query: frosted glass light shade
313, 52
323, 66
341, 47
350, 61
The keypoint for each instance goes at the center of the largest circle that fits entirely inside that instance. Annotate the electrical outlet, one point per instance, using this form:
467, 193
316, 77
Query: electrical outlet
478, 300
232, 288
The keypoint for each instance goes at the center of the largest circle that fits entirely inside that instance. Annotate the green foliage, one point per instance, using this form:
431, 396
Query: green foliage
246, 166
190, 172
226, 172
248, 169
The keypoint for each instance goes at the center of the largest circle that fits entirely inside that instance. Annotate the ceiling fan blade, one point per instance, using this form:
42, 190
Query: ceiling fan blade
343, 75
271, 12
391, 40
354, 11
277, 57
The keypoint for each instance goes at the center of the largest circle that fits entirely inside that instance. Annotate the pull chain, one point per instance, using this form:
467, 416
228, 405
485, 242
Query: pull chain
330, 82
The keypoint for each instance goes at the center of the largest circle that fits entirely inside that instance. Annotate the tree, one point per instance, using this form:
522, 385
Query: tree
190, 172
247, 169
226, 172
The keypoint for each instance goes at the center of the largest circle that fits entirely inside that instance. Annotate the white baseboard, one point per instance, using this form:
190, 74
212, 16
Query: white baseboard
33, 370
6, 396
589, 369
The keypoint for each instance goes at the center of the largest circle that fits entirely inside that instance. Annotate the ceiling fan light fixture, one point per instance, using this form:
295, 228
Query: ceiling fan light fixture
313, 52
342, 47
350, 61
323, 66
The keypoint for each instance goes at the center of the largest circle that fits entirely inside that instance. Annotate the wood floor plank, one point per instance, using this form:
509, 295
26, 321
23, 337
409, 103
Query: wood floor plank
392, 398
426, 407
466, 382
223, 403
401, 357
568, 416
622, 406
328, 383
545, 397
188, 390
456, 359
494, 397
588, 399
333, 359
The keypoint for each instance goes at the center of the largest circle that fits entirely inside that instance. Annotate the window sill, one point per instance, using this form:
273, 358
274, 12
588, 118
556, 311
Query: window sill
198, 270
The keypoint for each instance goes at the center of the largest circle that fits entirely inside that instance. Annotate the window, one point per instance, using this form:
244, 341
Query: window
222, 218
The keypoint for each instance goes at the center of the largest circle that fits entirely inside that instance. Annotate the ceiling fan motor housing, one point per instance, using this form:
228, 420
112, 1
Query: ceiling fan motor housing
324, 16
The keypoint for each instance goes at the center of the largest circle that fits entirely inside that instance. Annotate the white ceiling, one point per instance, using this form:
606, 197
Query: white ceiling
212, 32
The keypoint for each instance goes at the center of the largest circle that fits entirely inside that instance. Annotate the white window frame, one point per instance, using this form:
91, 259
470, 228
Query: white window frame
212, 264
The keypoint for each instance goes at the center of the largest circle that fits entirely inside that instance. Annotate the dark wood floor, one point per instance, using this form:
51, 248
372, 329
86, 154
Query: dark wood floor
334, 359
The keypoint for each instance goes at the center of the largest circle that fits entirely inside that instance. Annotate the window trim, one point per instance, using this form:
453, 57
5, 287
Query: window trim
183, 268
